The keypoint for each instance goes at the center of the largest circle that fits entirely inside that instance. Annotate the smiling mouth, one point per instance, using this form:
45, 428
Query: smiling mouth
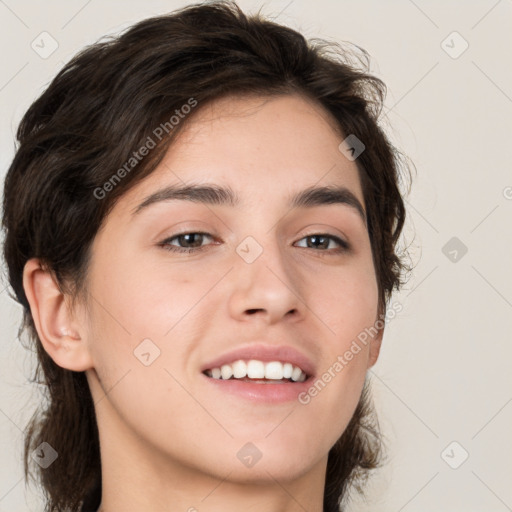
208, 373
255, 371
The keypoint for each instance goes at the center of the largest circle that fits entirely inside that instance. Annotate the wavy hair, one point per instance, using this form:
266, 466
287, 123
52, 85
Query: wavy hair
100, 108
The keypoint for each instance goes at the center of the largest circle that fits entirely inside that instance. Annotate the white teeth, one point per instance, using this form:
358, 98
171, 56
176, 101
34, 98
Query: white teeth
226, 371
287, 370
296, 373
302, 377
255, 369
239, 369
274, 370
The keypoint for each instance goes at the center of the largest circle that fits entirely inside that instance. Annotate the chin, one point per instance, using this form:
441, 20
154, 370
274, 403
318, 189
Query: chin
271, 460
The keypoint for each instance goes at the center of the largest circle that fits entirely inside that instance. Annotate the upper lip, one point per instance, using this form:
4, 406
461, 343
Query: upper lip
267, 353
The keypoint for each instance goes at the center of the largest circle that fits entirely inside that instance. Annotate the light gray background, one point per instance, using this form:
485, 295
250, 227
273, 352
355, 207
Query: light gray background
444, 374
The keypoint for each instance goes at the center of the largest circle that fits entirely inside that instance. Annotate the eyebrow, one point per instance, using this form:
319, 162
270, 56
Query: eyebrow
219, 195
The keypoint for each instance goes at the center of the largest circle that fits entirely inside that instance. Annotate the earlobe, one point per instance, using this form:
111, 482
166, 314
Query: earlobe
61, 335
375, 345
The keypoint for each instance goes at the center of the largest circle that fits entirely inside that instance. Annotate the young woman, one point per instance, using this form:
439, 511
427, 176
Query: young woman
201, 222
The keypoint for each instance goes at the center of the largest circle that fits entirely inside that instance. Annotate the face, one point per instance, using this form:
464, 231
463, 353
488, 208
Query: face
177, 284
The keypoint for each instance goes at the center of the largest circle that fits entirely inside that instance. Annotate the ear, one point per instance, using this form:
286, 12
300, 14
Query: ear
63, 338
375, 345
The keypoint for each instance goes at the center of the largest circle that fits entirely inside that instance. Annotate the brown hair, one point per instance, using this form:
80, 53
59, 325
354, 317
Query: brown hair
100, 108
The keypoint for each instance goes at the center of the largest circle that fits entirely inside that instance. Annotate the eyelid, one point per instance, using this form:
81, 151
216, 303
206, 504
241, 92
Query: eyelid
328, 231
165, 243
344, 245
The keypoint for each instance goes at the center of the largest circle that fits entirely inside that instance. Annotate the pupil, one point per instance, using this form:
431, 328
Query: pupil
316, 238
185, 237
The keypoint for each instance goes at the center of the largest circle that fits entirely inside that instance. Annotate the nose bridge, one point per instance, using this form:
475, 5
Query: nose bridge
264, 283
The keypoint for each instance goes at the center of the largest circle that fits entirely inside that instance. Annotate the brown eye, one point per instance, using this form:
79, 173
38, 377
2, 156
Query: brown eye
323, 241
188, 242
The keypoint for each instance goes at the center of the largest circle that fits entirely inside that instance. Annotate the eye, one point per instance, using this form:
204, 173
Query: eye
192, 241
323, 240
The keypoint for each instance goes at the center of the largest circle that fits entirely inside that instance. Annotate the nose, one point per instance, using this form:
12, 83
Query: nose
267, 288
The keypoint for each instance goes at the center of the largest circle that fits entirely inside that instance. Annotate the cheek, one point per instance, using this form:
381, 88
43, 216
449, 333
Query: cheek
346, 301
347, 304
146, 301
144, 317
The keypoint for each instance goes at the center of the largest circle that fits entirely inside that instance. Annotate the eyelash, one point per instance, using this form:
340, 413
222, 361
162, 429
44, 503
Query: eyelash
344, 246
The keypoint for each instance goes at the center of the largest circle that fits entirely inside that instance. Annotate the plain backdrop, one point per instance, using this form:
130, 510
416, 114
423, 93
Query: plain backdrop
443, 384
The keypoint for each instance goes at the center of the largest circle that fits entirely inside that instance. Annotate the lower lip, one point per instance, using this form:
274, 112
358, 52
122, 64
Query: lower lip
261, 392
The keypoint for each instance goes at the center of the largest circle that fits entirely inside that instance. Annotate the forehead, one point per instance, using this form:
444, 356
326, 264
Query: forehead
261, 130
263, 148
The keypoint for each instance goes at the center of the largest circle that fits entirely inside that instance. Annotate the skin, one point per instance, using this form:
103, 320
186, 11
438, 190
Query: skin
169, 440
